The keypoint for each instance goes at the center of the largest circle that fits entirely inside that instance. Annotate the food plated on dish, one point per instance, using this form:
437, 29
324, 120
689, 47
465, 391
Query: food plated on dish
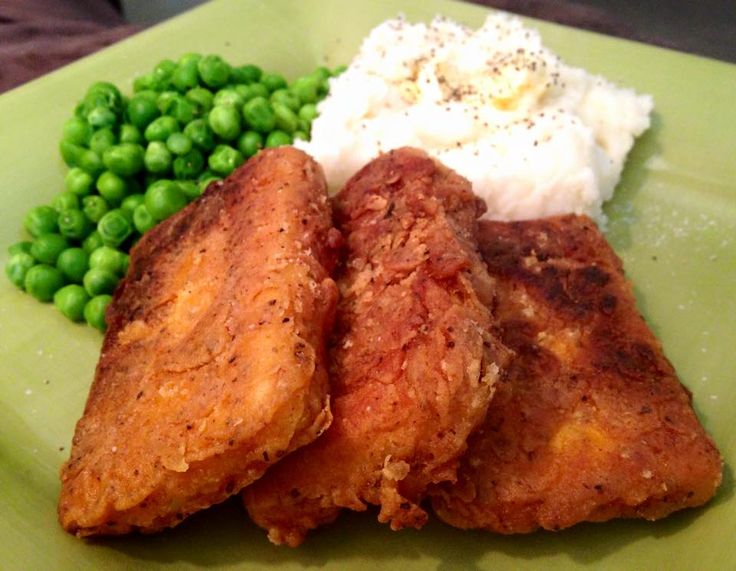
213, 365
336, 529
591, 422
414, 359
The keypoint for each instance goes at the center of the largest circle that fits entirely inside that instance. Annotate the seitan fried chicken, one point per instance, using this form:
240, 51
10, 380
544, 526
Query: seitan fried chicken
591, 422
413, 360
213, 365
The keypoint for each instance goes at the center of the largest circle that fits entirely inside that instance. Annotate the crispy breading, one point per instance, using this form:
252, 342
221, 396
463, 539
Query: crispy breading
591, 422
213, 365
413, 361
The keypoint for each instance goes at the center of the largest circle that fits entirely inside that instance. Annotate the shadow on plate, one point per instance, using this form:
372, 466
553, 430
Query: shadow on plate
620, 209
224, 536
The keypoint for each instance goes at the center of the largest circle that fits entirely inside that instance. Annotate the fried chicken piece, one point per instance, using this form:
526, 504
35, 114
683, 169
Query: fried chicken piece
412, 362
591, 422
213, 365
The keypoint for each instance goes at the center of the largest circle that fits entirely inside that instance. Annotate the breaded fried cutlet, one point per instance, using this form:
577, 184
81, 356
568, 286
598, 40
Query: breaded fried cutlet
590, 422
413, 362
213, 364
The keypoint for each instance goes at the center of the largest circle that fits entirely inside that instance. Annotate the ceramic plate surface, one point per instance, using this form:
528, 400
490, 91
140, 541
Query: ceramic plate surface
673, 222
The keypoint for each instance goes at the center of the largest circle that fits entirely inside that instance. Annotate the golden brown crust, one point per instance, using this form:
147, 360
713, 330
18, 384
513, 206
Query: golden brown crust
412, 362
591, 422
213, 365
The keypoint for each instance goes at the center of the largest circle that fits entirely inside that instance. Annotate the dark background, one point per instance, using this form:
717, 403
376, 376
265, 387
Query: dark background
37, 36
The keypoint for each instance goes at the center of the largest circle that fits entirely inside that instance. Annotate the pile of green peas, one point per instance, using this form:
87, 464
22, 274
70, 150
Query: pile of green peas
135, 161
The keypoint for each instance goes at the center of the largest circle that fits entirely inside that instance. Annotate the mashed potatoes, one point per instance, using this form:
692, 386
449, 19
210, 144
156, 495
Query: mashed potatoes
535, 136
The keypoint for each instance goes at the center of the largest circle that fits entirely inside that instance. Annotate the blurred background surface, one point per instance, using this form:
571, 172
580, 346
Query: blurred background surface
37, 36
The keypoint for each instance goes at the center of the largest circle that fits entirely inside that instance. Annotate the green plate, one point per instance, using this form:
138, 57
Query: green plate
673, 222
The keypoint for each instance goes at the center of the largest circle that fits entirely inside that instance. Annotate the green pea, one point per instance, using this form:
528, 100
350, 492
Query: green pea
148, 94
273, 81
125, 159
304, 126
101, 117
242, 91
164, 198
141, 111
300, 135
131, 202
108, 259
92, 242
124, 263
70, 152
246, 74
161, 128
78, 182
185, 76
308, 112
164, 99
112, 187
17, 267
143, 220
228, 96
324, 88
200, 134
256, 90
98, 281
188, 165
158, 158
259, 115
43, 281
77, 131
70, 300
80, 111
104, 94
90, 162
213, 71
201, 100
64, 201
82, 108
189, 58
41, 220
101, 140
94, 207
179, 143
22, 246
47, 247
286, 119
73, 224
179, 108
225, 122
190, 189
147, 82
164, 70
286, 97
249, 143
130, 134
278, 138
206, 179
114, 228
73, 263
225, 160
306, 89
143, 83
321, 73
94, 311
